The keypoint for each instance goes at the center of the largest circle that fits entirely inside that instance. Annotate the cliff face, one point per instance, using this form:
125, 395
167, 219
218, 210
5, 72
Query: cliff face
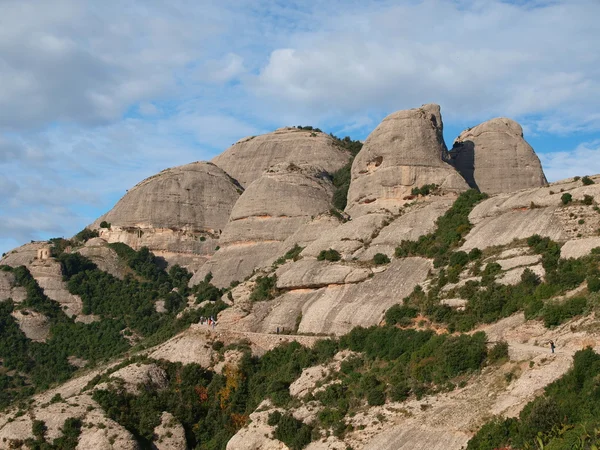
494, 157
248, 158
406, 150
272, 209
178, 213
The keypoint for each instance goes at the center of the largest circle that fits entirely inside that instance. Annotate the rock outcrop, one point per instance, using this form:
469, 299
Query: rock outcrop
406, 150
494, 157
248, 158
178, 212
271, 210
505, 217
9, 289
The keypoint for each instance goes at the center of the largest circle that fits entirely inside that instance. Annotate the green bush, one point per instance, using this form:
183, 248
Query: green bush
293, 433
104, 224
556, 313
380, 259
587, 200
86, 234
450, 229
264, 289
475, 253
587, 181
425, 190
566, 198
593, 283
499, 352
329, 255
396, 313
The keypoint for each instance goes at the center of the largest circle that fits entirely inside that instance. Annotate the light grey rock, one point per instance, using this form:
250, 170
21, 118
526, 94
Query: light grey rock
406, 150
8, 288
513, 276
250, 157
177, 213
350, 237
33, 324
339, 308
169, 434
576, 248
418, 220
494, 157
310, 273
104, 257
517, 261
272, 209
195, 197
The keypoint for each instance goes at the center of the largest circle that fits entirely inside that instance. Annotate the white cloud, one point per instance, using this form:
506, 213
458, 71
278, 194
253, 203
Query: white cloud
476, 59
583, 160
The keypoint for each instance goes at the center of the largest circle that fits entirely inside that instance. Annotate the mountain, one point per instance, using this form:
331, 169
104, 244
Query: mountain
403, 317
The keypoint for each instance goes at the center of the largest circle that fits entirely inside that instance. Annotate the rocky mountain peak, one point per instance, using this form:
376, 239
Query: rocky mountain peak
248, 158
406, 150
494, 157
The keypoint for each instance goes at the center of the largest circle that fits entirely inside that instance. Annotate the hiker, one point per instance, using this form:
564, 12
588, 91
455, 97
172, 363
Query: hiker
552, 346
277, 330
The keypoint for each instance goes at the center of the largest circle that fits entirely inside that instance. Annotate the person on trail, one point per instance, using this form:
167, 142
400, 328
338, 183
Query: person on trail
552, 346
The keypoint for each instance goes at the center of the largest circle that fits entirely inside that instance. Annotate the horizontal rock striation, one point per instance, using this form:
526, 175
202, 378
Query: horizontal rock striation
271, 210
250, 157
179, 212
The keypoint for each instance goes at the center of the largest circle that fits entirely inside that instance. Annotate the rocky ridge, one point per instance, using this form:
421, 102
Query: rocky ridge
288, 203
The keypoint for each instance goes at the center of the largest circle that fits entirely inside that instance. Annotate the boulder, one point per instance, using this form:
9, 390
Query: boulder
272, 209
494, 157
576, 248
248, 158
348, 238
406, 150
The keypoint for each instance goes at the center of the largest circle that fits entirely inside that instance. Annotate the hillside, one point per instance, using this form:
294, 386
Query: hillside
391, 295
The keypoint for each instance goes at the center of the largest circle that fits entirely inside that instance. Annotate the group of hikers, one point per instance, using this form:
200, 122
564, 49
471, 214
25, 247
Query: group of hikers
210, 321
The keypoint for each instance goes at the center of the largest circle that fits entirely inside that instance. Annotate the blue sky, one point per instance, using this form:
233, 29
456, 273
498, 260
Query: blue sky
96, 96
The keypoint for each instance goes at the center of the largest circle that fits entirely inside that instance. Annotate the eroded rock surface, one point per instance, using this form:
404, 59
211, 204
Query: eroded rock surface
169, 434
271, 210
9, 289
177, 212
250, 157
494, 157
406, 150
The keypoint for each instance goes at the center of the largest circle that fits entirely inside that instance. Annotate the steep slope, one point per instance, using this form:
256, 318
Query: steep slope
494, 157
272, 209
509, 216
248, 158
178, 213
405, 151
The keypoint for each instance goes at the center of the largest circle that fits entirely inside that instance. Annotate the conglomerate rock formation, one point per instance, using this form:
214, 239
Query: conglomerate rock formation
178, 213
406, 150
271, 209
267, 194
248, 158
494, 158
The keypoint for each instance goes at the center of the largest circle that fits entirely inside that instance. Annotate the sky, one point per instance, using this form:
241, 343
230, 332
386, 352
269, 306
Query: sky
96, 96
